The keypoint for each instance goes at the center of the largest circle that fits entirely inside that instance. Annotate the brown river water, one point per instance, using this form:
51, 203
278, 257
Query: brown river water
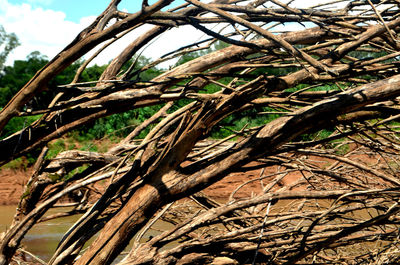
43, 238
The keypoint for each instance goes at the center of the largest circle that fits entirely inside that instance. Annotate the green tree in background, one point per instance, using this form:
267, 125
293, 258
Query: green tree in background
14, 77
8, 42
120, 124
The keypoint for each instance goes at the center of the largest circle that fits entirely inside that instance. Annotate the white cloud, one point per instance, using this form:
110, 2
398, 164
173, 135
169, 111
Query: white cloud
49, 32
167, 42
38, 29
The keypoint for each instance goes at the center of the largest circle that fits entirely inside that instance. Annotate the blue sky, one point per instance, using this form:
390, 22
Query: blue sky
48, 26
76, 9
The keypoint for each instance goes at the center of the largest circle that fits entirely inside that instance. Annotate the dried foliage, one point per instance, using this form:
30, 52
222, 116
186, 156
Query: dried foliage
320, 83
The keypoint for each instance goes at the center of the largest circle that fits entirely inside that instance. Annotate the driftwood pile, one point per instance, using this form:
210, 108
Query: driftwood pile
326, 90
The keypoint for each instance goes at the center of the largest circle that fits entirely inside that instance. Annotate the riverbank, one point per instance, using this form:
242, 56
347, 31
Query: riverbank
12, 184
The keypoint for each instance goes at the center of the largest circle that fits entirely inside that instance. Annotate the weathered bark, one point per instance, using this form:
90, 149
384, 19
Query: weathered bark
62, 121
331, 155
169, 185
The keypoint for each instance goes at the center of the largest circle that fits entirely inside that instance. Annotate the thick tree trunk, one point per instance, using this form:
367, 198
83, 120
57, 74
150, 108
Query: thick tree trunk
166, 186
313, 110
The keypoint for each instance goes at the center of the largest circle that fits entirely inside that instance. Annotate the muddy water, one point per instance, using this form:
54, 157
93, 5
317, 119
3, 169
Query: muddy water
43, 238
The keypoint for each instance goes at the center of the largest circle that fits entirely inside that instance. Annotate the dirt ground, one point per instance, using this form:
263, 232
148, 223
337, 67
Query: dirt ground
12, 184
